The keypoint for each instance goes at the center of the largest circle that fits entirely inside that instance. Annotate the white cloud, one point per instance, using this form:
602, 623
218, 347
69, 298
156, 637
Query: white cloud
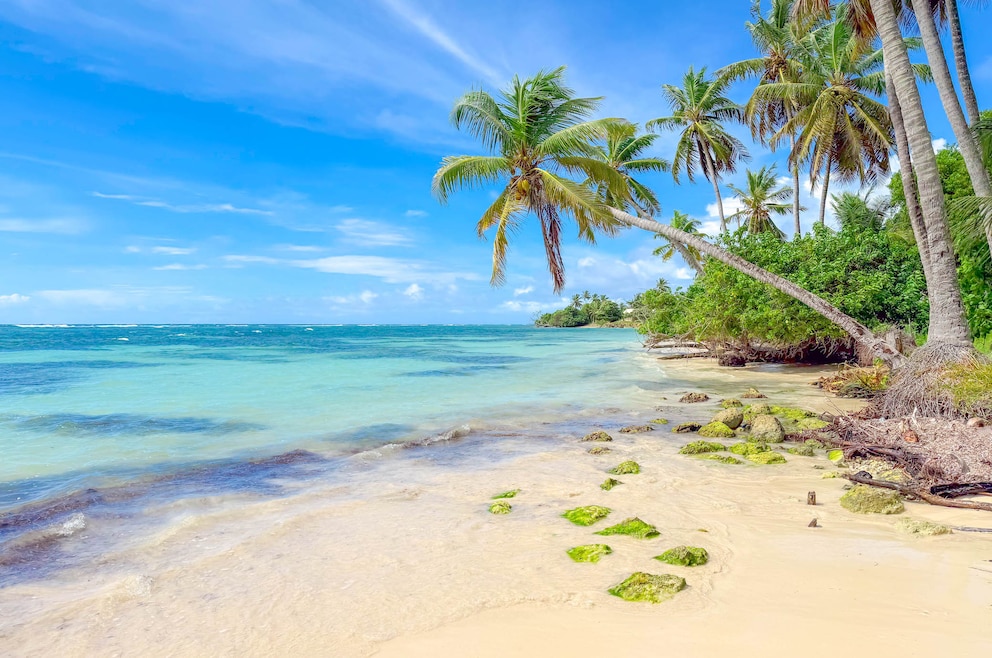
530, 307
588, 261
173, 251
299, 247
416, 213
183, 208
57, 226
523, 291
14, 298
391, 270
414, 291
367, 296
240, 258
372, 234
938, 144
179, 267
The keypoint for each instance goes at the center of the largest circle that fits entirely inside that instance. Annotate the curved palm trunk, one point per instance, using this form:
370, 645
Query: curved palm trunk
860, 333
795, 191
908, 178
947, 320
823, 197
949, 98
711, 173
961, 62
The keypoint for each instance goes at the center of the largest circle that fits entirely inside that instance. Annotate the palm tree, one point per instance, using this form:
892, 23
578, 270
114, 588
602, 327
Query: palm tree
576, 301
624, 152
961, 60
586, 296
537, 132
762, 198
537, 122
699, 108
775, 37
842, 129
690, 255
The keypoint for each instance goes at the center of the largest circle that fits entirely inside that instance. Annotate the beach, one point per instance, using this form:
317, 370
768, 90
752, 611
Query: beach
391, 550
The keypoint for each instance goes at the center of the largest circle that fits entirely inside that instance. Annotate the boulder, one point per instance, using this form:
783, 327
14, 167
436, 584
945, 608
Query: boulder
803, 450
732, 417
753, 393
587, 515
863, 499
589, 552
599, 450
659, 421
731, 402
686, 428
766, 458
731, 360
635, 429
716, 430
766, 429
694, 397
597, 436
642, 586
759, 409
699, 447
685, 556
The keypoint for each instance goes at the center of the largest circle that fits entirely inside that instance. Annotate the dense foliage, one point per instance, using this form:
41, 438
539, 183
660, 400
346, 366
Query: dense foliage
584, 310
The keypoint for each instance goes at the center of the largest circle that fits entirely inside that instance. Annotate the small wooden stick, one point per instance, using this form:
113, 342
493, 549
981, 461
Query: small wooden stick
811, 498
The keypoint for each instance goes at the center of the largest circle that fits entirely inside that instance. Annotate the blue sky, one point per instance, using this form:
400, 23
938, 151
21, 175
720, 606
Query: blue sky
270, 160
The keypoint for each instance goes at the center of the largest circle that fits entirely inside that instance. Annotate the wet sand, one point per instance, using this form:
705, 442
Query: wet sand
398, 556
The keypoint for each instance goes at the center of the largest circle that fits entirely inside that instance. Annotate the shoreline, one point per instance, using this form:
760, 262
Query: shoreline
325, 570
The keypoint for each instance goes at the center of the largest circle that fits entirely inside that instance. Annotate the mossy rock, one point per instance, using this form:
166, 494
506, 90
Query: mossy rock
803, 450
836, 456
506, 494
636, 429
716, 431
597, 436
815, 443
922, 528
731, 403
732, 418
587, 515
723, 459
589, 552
766, 429
642, 586
792, 413
830, 475
699, 447
660, 421
627, 468
686, 428
753, 393
694, 397
811, 424
685, 556
500, 507
766, 458
863, 499
609, 483
599, 450
758, 409
745, 449
632, 527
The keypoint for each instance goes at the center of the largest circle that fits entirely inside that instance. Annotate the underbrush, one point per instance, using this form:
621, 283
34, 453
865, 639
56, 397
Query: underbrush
852, 382
970, 386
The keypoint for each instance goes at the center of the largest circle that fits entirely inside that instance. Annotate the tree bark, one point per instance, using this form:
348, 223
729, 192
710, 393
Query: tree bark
961, 62
860, 333
795, 191
715, 178
908, 178
823, 197
947, 319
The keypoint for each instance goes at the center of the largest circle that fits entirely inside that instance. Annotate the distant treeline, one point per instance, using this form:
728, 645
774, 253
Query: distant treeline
585, 309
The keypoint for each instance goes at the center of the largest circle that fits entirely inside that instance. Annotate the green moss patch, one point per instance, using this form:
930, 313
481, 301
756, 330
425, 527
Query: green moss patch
863, 499
587, 515
642, 586
766, 458
745, 449
589, 552
922, 528
815, 443
694, 397
500, 507
660, 421
627, 468
685, 556
732, 418
699, 447
836, 455
609, 483
723, 459
597, 436
506, 494
730, 403
830, 475
686, 428
632, 527
636, 429
792, 413
803, 450
716, 430
811, 424
599, 450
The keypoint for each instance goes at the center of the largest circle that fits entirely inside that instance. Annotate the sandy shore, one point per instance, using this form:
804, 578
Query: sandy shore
399, 557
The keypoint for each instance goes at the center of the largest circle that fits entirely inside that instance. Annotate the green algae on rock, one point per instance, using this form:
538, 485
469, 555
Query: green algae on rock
758, 409
686, 428
815, 443
836, 456
694, 397
636, 429
792, 413
627, 468
752, 393
811, 424
506, 494
723, 459
732, 418
587, 515
597, 436
730, 403
863, 499
660, 421
745, 449
766, 458
685, 556
922, 528
599, 450
642, 586
632, 527
500, 507
803, 450
766, 429
699, 447
716, 430
830, 475
609, 483
589, 552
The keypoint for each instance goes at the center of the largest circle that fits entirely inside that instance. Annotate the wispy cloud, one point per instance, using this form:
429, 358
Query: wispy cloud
523, 291
530, 307
15, 298
184, 208
365, 297
414, 291
173, 251
416, 213
372, 234
179, 267
390, 270
56, 226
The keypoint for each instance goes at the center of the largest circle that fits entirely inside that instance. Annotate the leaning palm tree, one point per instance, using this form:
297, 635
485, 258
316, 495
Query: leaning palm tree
624, 152
537, 133
763, 198
699, 110
689, 254
842, 129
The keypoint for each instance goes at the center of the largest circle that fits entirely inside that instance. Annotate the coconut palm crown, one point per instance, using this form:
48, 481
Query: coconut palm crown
624, 151
536, 131
762, 198
692, 257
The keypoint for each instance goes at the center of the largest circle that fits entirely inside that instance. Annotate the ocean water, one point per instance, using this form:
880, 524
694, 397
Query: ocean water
94, 406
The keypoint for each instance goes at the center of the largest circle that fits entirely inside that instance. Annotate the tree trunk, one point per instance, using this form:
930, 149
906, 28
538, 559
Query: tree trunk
715, 177
961, 62
823, 197
908, 178
860, 333
795, 191
947, 319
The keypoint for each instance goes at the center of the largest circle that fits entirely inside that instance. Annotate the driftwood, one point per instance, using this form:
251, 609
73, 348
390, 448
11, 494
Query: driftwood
917, 493
965, 489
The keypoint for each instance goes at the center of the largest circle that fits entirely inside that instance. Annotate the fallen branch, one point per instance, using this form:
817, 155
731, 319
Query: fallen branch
919, 494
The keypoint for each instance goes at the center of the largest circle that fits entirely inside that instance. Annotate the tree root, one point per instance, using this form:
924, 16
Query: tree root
917, 493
